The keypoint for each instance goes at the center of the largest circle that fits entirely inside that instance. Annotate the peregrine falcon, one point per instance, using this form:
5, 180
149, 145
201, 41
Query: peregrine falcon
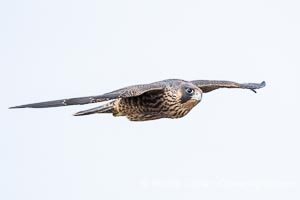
171, 98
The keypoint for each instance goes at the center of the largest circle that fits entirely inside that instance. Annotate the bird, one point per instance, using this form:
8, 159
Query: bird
170, 98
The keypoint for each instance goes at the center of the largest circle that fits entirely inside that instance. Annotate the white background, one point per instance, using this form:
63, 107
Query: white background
234, 145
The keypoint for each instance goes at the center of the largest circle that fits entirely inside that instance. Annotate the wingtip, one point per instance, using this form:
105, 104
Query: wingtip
263, 84
77, 114
14, 107
255, 86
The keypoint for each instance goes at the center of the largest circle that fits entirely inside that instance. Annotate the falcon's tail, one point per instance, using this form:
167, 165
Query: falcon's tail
107, 108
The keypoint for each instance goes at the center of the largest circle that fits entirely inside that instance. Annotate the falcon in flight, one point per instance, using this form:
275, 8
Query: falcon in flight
172, 98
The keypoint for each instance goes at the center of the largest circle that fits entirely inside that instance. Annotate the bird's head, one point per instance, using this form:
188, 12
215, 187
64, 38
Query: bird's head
190, 95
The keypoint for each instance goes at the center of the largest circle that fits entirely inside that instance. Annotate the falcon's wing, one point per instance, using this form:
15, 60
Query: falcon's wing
210, 85
130, 91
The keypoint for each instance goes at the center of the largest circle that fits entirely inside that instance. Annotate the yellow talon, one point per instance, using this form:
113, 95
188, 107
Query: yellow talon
117, 114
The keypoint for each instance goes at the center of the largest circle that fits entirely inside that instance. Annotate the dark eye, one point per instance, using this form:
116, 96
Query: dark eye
189, 90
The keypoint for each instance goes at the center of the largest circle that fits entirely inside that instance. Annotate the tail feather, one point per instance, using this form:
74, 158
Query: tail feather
101, 109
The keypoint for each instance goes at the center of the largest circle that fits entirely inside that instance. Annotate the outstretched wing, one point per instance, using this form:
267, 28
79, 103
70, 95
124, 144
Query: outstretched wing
130, 91
210, 85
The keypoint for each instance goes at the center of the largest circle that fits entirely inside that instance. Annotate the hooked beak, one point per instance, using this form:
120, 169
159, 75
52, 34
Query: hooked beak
197, 96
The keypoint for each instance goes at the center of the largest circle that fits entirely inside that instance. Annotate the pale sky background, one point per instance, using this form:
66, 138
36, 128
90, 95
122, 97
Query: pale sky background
234, 145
